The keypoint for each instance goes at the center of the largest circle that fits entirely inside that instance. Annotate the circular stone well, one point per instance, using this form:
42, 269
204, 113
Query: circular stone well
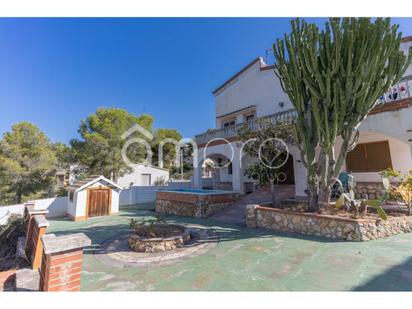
116, 252
170, 237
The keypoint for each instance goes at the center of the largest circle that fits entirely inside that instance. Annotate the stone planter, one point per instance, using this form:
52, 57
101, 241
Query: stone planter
171, 236
333, 227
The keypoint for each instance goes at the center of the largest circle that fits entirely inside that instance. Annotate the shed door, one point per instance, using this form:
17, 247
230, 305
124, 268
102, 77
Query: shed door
99, 202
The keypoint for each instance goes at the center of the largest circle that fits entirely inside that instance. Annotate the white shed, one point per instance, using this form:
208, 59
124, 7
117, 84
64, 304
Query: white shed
95, 196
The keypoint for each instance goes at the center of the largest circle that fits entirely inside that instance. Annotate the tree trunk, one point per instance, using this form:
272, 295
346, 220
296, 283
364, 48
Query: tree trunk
275, 202
324, 196
313, 196
18, 197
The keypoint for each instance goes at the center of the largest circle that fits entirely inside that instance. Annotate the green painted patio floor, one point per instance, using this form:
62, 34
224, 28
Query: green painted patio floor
250, 260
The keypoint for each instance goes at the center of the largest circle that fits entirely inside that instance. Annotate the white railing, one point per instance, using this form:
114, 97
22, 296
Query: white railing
400, 91
253, 125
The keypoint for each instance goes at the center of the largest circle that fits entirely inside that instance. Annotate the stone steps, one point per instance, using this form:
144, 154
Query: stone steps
236, 213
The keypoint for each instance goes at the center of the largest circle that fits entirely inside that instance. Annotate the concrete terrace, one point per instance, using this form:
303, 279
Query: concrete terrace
249, 260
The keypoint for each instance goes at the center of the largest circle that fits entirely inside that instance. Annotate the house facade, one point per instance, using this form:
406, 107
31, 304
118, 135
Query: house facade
255, 92
144, 175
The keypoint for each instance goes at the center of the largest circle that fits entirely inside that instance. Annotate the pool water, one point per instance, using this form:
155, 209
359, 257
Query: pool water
197, 191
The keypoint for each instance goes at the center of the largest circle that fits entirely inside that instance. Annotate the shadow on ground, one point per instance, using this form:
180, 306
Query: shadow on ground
104, 228
250, 260
397, 278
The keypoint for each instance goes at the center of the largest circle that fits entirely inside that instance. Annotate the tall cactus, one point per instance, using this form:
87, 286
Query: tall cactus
334, 78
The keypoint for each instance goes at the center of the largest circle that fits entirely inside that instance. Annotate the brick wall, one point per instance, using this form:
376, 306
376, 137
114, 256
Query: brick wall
62, 262
36, 225
62, 271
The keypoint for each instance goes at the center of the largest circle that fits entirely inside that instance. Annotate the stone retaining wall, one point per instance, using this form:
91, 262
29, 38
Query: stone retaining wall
193, 205
324, 225
369, 190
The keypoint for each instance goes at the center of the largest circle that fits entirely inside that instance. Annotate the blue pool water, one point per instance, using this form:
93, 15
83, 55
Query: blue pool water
196, 191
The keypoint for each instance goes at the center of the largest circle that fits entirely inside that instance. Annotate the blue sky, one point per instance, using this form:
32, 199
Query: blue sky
55, 72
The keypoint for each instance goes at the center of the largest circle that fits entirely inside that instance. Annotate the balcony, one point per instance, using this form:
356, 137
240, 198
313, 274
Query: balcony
398, 92
254, 125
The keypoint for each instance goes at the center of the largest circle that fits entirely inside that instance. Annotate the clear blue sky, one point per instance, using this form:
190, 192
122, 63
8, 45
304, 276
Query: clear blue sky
55, 72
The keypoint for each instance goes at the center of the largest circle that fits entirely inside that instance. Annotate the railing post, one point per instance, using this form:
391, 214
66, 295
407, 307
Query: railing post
40, 226
29, 215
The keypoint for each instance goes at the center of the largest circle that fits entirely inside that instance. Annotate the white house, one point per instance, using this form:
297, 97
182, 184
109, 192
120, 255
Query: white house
144, 175
92, 197
255, 92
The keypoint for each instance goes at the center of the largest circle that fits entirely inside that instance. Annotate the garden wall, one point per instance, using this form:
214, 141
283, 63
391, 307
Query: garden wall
324, 225
6, 211
57, 207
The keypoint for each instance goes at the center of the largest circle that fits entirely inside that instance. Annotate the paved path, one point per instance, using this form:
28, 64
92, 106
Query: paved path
249, 260
235, 214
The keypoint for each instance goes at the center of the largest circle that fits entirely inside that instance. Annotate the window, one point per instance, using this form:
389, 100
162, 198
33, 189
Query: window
229, 122
230, 169
369, 157
249, 116
146, 179
71, 195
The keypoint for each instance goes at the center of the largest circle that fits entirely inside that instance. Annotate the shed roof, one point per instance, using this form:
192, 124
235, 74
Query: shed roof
89, 181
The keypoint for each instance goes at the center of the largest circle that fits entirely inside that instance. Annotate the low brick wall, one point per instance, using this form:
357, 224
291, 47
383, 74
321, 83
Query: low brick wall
193, 205
324, 225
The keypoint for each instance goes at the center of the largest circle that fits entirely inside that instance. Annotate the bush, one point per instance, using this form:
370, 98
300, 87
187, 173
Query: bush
9, 233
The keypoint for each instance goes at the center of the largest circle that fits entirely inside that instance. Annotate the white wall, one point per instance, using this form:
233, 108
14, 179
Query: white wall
57, 207
261, 88
6, 211
146, 194
135, 179
252, 87
393, 124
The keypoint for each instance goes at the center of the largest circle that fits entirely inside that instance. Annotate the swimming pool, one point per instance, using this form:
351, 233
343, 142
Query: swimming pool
197, 191
198, 203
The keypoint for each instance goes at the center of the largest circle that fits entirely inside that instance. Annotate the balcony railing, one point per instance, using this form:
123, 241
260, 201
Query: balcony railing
254, 125
400, 91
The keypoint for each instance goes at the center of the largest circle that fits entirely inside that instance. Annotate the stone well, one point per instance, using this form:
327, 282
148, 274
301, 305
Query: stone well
171, 236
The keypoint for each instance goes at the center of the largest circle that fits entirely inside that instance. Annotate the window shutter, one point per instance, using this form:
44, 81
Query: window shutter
369, 157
